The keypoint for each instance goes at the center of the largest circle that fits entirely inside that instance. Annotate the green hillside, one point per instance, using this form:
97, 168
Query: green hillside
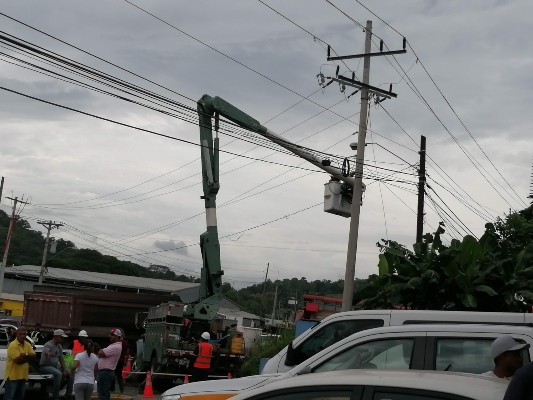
27, 247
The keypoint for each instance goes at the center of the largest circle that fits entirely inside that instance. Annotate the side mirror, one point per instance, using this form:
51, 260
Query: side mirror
290, 357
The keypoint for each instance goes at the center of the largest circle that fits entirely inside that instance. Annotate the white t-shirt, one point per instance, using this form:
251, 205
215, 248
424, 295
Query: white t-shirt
85, 371
489, 373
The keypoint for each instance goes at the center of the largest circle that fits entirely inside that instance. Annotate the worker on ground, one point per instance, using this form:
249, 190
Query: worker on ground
507, 355
52, 361
79, 343
19, 355
521, 386
108, 362
202, 364
124, 355
84, 369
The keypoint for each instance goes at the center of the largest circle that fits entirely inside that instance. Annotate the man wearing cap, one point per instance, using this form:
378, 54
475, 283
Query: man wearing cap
19, 354
202, 364
507, 355
79, 343
52, 361
108, 362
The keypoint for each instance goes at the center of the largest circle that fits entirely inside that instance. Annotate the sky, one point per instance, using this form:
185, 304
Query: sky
132, 194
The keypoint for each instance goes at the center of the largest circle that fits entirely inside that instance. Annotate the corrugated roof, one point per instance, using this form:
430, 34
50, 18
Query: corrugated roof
237, 313
99, 278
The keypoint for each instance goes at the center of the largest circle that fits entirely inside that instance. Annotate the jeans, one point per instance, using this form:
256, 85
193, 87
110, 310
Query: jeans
118, 375
83, 391
105, 378
58, 375
14, 389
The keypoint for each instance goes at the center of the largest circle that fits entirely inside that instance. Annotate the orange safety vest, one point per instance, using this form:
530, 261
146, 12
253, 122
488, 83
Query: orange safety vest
78, 348
205, 351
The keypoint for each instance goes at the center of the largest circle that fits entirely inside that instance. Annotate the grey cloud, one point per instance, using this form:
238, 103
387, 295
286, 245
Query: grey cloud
172, 246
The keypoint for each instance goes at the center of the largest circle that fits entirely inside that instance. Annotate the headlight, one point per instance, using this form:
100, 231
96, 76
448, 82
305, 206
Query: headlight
170, 397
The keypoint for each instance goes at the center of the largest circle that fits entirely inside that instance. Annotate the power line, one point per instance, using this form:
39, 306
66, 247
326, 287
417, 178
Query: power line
465, 151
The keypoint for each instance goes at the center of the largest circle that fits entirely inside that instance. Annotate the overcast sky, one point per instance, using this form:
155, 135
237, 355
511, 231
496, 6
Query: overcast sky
477, 52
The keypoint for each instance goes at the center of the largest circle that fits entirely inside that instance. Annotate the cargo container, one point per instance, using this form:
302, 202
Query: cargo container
97, 311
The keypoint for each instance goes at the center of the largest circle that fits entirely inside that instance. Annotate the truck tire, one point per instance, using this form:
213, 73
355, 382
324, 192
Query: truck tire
159, 383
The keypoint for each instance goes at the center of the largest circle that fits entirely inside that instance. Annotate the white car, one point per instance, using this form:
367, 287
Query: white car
458, 348
380, 385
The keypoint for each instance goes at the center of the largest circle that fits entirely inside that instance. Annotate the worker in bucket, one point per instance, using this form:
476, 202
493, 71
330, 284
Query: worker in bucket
204, 352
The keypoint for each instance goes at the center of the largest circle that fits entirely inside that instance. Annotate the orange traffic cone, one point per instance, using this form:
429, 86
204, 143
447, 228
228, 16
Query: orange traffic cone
229, 375
126, 369
186, 380
148, 391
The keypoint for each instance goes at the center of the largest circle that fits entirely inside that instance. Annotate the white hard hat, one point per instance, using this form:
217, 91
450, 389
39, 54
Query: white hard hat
83, 333
206, 336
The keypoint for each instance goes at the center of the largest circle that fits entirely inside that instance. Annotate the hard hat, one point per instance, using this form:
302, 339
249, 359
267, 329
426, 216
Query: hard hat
83, 333
206, 336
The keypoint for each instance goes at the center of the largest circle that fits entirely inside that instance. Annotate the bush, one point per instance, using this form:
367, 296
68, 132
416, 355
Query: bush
266, 348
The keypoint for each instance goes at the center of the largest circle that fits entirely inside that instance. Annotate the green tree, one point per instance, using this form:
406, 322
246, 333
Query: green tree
469, 274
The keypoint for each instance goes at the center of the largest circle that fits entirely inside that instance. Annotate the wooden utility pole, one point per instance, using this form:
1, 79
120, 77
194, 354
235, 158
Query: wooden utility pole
264, 290
12, 223
49, 225
366, 92
421, 190
274, 308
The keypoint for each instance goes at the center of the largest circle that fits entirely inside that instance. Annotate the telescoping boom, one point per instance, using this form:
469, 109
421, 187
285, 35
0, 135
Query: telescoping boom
208, 108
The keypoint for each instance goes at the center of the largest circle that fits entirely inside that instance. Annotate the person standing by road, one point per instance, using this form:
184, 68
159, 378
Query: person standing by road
78, 346
124, 355
19, 355
507, 355
84, 371
521, 385
203, 360
108, 362
52, 361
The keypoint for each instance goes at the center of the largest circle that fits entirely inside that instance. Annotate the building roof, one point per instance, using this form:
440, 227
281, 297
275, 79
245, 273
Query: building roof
12, 297
92, 279
237, 313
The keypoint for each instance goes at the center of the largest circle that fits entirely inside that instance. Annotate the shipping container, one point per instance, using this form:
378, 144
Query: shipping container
51, 307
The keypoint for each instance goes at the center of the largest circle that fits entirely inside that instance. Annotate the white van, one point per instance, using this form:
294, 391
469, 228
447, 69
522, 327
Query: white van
339, 326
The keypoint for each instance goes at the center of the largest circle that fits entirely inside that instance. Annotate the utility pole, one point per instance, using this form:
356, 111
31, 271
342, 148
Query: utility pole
264, 289
49, 225
380, 95
12, 223
421, 189
274, 308
1, 188
351, 257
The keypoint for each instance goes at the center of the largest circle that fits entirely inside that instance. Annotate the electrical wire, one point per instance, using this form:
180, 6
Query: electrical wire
421, 97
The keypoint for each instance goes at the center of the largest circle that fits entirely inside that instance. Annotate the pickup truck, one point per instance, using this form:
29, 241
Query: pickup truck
336, 327
457, 348
34, 376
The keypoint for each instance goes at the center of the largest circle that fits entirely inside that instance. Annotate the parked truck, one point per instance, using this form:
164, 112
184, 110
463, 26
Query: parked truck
171, 340
97, 311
